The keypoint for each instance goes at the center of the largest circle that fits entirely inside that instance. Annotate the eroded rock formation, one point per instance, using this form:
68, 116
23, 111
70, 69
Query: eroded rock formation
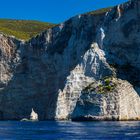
50, 72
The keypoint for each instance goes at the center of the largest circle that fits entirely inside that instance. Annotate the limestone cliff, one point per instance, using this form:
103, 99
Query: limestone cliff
50, 72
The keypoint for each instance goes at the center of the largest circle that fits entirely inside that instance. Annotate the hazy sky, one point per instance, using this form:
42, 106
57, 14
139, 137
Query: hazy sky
50, 10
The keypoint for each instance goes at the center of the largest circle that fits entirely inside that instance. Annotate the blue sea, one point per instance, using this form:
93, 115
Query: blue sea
66, 130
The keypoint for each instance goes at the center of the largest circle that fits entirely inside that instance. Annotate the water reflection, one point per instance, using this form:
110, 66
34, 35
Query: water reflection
69, 130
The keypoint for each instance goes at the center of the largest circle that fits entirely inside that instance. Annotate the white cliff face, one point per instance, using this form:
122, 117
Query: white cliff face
8, 58
87, 71
122, 103
101, 37
49, 72
119, 12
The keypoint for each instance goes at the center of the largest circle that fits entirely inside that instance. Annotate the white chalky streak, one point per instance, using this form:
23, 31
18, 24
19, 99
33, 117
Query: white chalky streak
119, 12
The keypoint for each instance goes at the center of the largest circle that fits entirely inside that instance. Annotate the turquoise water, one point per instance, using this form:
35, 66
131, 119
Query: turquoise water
49, 130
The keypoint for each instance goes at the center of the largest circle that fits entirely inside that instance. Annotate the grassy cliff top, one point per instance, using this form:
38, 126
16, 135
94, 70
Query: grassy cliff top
100, 11
23, 29
26, 29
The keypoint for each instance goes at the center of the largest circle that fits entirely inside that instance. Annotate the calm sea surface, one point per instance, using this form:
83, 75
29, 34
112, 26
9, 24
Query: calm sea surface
49, 130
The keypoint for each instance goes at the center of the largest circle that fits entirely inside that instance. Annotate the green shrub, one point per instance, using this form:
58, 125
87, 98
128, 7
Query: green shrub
107, 85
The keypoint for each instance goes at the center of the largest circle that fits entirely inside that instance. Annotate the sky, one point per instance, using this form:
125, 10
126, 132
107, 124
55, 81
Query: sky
54, 11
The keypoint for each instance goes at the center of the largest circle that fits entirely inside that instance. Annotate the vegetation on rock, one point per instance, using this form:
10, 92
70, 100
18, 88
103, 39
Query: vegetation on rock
105, 85
23, 29
100, 11
26, 29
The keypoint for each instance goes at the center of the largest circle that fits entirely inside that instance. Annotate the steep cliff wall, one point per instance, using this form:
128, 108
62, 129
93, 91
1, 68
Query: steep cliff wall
50, 72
